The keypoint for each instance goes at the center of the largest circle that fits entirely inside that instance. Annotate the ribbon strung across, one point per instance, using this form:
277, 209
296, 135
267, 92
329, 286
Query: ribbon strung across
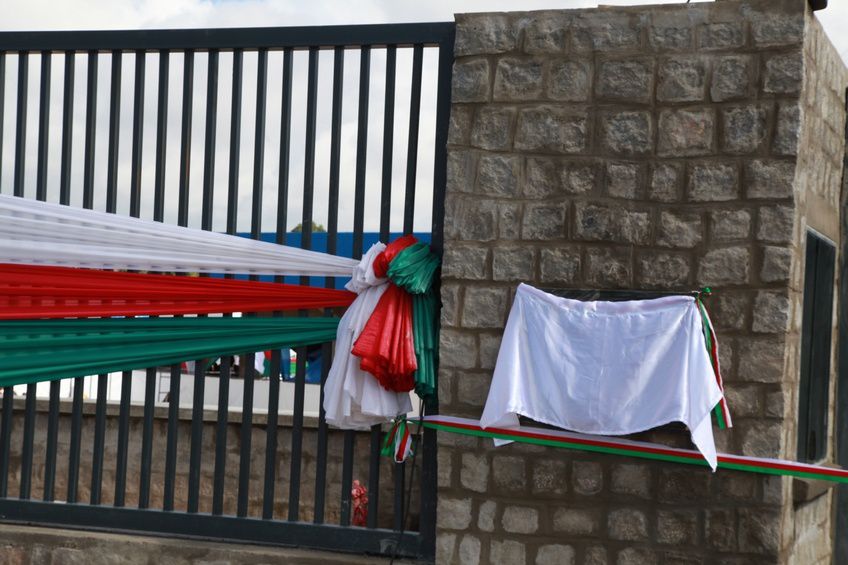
40, 233
629, 448
30, 291
41, 350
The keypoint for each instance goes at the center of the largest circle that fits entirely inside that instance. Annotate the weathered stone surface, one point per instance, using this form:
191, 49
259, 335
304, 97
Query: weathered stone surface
469, 550
720, 528
670, 38
632, 479
551, 128
543, 221
686, 132
713, 182
454, 513
604, 32
570, 80
484, 35
484, 308
513, 263
474, 474
776, 404
786, 130
460, 125
457, 349
508, 551
518, 79
680, 229
465, 262
684, 485
587, 477
608, 268
555, 554
498, 175
739, 486
550, 476
510, 219
759, 531
486, 516
769, 179
627, 133
728, 225
596, 555
732, 78
542, 178
776, 263
729, 310
546, 32
470, 81
771, 312
445, 461
462, 165
778, 29
761, 360
730, 265
721, 35
761, 438
492, 128
627, 524
784, 74
600, 222
622, 180
578, 177
446, 381
510, 472
745, 400
663, 270
677, 527
630, 80
489, 346
666, 180
520, 520
682, 79
636, 556
576, 521
745, 128
560, 265
775, 224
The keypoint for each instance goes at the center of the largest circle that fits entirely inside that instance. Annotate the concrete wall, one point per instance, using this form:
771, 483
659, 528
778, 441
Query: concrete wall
654, 147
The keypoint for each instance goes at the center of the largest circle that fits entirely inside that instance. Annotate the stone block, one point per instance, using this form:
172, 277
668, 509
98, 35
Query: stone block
732, 78
636, 556
677, 527
608, 268
759, 531
775, 28
510, 218
484, 34
713, 181
663, 270
445, 462
729, 225
470, 81
786, 130
551, 128
446, 380
486, 516
684, 485
542, 177
604, 32
576, 521
579, 177
489, 347
728, 310
462, 167
670, 37
465, 262
472, 388
492, 129
457, 349
543, 221
510, 473
775, 224
771, 312
627, 524
769, 179
632, 479
761, 360
627, 133
469, 550
450, 304
474, 474
686, 132
546, 33
550, 476
745, 128
682, 79
601, 222
570, 80
499, 175
680, 229
729, 265
513, 263
453, 513
445, 547
623, 179
471, 220
720, 529
460, 125
596, 555
666, 180
484, 307
721, 35
508, 551
626, 80
518, 79
783, 74
738, 486
560, 265
555, 554
587, 477
761, 438
776, 264
520, 520
776, 404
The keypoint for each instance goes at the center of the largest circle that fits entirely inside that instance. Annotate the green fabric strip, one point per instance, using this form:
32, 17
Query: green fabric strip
42, 350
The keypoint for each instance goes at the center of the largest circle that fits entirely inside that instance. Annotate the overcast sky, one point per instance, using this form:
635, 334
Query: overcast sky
150, 14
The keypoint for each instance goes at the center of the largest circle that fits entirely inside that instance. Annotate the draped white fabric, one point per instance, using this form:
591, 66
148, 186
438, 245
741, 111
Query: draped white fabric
353, 398
609, 368
39, 233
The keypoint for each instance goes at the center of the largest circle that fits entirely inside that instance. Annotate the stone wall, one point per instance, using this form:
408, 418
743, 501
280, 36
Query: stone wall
652, 147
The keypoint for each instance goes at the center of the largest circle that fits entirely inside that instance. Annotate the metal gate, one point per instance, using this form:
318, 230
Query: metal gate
54, 151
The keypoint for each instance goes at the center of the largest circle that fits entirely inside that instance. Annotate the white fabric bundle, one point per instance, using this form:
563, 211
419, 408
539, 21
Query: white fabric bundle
38, 233
609, 368
353, 398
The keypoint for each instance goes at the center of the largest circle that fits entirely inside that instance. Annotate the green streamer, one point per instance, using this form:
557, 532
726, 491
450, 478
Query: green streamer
42, 350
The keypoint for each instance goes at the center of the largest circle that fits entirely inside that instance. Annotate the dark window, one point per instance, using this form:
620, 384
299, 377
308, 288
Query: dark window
815, 348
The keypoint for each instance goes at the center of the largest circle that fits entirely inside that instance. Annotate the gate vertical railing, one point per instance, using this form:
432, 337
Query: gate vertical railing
157, 179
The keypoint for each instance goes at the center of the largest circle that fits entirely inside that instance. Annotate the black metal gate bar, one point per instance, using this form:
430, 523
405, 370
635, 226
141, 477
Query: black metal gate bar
20, 129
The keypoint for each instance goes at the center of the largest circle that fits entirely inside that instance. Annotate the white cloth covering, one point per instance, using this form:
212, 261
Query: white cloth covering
353, 398
608, 368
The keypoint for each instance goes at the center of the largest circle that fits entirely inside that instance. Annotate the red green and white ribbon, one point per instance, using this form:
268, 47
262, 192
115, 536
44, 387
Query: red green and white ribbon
722, 412
629, 448
398, 442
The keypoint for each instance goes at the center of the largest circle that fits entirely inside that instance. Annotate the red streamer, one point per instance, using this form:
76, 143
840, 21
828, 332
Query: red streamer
382, 261
30, 292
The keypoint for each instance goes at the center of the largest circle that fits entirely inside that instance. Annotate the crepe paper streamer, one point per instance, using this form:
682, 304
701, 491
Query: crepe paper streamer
398, 442
629, 448
40, 233
30, 291
42, 350
722, 412
413, 268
